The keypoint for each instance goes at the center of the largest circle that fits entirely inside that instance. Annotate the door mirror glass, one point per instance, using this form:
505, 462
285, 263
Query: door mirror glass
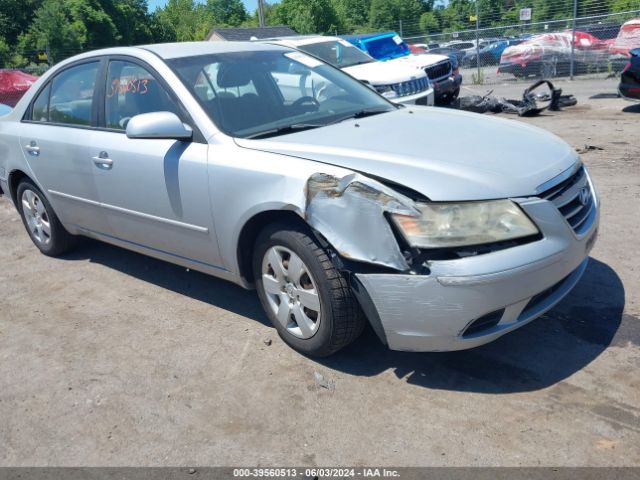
158, 125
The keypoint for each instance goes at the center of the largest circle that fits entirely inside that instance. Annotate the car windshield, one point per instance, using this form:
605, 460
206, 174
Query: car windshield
340, 54
387, 47
267, 93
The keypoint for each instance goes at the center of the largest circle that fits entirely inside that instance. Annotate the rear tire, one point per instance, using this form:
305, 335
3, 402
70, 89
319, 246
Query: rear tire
307, 299
41, 222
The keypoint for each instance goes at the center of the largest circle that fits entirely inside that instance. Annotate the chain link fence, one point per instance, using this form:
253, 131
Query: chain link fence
577, 47
498, 50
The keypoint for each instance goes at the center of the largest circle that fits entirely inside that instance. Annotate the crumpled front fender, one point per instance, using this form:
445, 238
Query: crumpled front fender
350, 212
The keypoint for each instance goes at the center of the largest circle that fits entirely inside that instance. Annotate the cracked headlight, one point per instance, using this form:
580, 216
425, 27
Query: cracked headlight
442, 225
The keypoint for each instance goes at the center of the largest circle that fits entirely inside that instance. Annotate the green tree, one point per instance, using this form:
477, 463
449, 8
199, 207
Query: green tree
625, 5
306, 16
386, 15
161, 29
187, 19
226, 12
54, 30
15, 17
131, 20
429, 22
353, 14
5, 52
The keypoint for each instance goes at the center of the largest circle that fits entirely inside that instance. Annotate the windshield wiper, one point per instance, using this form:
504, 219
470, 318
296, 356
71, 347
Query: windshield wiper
274, 132
299, 127
367, 112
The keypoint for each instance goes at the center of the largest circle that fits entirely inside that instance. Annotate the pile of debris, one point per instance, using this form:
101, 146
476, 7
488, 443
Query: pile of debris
534, 101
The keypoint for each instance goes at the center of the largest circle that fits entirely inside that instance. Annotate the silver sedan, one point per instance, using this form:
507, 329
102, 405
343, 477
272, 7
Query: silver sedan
266, 167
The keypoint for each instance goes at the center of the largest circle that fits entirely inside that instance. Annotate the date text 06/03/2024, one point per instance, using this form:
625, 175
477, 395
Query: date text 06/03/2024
315, 473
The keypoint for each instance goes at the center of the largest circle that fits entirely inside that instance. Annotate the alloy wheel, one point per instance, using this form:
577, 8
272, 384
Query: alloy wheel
291, 292
36, 216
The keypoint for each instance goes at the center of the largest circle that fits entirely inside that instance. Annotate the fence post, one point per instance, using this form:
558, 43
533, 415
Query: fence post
478, 38
573, 39
400, 27
261, 14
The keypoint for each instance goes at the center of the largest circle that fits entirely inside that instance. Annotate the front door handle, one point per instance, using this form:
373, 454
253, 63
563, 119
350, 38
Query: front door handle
32, 148
103, 160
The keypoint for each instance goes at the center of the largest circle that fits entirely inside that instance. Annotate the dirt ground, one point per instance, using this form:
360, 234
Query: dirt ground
111, 358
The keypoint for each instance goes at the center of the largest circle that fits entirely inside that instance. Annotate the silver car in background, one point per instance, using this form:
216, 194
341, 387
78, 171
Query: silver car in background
335, 204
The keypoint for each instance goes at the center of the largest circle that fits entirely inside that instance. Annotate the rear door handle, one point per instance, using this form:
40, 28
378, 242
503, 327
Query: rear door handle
103, 160
33, 149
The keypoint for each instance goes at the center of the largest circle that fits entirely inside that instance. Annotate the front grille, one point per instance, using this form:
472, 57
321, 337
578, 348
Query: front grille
439, 70
410, 87
574, 198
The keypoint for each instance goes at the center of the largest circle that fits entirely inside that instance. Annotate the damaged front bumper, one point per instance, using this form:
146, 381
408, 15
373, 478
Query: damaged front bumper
471, 301
447, 87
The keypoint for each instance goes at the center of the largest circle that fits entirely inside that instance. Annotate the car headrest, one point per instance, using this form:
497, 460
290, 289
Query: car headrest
233, 75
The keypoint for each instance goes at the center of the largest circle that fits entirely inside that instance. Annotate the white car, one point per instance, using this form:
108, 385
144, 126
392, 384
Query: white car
395, 80
390, 48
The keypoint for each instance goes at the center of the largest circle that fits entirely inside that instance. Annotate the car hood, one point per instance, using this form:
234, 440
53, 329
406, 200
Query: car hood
382, 73
419, 61
442, 154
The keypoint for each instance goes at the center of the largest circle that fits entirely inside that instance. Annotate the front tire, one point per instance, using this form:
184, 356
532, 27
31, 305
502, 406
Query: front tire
41, 222
307, 299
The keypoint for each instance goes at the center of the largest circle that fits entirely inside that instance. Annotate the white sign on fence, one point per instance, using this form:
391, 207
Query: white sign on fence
525, 14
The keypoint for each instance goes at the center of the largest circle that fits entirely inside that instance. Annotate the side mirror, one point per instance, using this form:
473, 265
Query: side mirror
158, 125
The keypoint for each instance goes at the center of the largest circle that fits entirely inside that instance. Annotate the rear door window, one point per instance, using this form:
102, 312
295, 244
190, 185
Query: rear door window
40, 109
71, 98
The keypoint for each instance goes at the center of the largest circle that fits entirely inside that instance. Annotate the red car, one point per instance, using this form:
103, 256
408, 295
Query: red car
13, 85
549, 54
627, 40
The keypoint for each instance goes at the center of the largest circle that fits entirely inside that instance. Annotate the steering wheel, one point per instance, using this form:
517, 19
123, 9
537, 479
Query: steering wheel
306, 100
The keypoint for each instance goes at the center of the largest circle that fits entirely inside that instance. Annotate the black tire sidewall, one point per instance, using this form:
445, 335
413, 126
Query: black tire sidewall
288, 236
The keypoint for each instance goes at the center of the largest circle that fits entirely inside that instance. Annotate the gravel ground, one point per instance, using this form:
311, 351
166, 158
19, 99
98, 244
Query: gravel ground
111, 358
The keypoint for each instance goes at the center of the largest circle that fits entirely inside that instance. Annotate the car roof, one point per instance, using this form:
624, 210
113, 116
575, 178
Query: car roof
300, 40
192, 49
367, 36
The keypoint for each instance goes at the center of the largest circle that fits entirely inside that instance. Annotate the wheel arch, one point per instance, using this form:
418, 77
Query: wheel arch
250, 230
14, 179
